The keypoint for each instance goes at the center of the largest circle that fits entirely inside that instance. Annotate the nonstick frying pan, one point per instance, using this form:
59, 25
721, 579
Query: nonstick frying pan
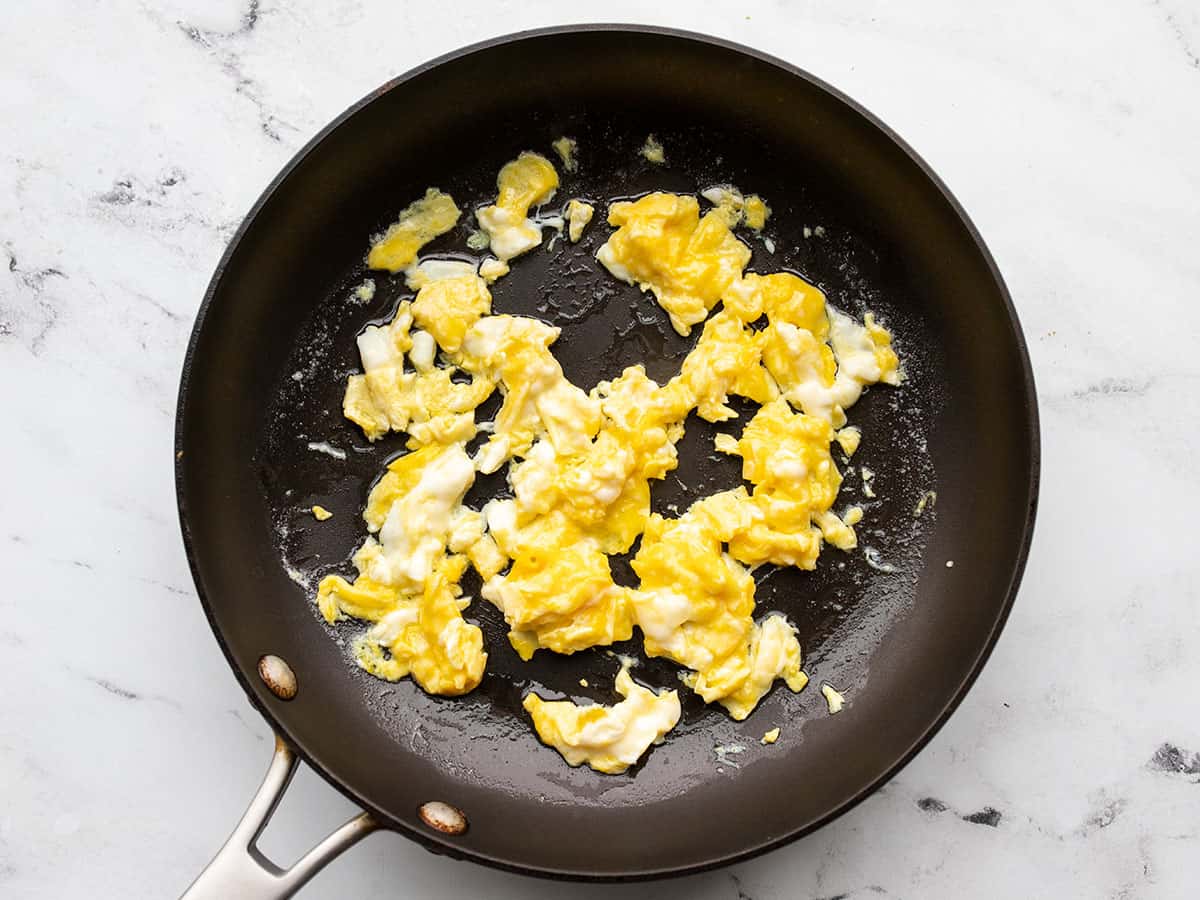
901, 626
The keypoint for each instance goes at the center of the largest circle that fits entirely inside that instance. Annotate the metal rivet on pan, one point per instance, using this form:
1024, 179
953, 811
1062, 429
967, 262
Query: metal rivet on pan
278, 676
443, 817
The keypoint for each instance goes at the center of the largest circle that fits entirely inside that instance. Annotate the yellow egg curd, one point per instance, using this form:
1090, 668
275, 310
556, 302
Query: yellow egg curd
610, 739
663, 245
527, 181
419, 223
580, 463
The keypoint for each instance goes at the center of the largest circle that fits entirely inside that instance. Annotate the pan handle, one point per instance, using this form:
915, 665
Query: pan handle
241, 870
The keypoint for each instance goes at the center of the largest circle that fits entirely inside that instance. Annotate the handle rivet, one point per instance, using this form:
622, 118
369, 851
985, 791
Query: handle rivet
443, 817
278, 676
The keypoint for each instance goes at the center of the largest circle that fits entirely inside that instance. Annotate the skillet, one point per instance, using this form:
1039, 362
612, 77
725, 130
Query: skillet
896, 627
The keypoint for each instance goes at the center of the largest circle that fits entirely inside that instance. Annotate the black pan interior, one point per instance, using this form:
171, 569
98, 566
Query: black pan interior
275, 341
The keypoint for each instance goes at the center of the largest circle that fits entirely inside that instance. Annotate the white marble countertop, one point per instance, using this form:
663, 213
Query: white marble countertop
137, 134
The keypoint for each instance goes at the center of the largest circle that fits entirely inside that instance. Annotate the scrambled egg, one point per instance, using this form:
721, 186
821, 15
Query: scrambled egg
419, 223
427, 402
580, 463
735, 208
825, 379
579, 214
425, 271
407, 583
833, 698
365, 292
491, 269
757, 212
848, 439
514, 351
653, 152
558, 593
663, 245
695, 606
529, 180
566, 147
610, 739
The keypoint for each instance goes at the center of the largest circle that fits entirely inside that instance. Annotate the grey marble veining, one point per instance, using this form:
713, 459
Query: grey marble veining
137, 134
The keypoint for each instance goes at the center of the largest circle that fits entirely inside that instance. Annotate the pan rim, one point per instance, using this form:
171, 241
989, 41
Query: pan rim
441, 844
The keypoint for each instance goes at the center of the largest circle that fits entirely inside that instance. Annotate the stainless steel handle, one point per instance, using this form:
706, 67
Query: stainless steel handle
241, 870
